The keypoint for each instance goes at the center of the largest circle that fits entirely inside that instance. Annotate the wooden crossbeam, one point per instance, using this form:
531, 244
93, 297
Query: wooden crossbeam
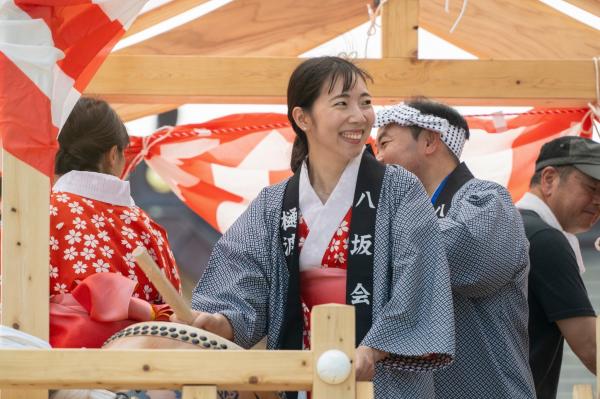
161, 13
512, 29
262, 28
591, 6
129, 112
156, 368
179, 79
259, 27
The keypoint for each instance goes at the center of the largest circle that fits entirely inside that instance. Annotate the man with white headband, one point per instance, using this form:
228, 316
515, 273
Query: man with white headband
486, 248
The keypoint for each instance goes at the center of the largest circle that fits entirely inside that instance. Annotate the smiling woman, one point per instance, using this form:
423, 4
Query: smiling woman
330, 110
343, 229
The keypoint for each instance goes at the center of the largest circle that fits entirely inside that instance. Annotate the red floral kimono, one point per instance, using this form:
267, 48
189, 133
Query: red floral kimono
94, 228
324, 231
326, 284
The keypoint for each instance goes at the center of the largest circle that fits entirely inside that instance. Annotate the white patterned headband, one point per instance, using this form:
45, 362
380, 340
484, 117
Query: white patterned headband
454, 137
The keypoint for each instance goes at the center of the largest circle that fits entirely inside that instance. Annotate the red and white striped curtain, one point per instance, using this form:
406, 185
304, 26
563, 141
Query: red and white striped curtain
49, 51
218, 167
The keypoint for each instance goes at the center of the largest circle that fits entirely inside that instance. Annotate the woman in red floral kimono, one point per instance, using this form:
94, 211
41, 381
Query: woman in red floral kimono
95, 285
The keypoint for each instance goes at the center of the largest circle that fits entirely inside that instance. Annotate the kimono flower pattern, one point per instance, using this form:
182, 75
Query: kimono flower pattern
90, 236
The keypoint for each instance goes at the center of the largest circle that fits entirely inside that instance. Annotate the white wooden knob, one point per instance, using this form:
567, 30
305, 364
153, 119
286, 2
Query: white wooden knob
334, 367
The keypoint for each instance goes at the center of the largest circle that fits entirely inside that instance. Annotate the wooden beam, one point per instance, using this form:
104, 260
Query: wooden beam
399, 27
161, 13
25, 254
173, 79
199, 392
591, 6
259, 27
25, 251
262, 28
333, 327
511, 29
364, 390
581, 391
155, 368
129, 112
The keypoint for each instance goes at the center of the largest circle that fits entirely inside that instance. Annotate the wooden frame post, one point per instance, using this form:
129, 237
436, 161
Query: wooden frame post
199, 392
333, 328
25, 254
581, 391
399, 25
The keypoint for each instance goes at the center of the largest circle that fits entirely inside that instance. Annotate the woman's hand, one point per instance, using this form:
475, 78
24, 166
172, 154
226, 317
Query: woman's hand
215, 323
366, 358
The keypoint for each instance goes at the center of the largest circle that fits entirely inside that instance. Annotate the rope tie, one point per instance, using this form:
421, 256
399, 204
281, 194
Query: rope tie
373, 14
147, 143
460, 15
594, 109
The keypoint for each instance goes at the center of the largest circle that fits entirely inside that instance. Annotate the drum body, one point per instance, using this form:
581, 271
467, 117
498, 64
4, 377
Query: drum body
166, 335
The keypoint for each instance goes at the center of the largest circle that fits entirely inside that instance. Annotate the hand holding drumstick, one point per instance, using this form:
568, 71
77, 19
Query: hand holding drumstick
215, 323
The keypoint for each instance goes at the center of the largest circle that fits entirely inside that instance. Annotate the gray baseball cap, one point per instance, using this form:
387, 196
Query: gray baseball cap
582, 153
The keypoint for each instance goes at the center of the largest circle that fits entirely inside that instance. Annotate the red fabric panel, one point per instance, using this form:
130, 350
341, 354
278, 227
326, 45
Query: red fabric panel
541, 128
230, 140
81, 30
30, 139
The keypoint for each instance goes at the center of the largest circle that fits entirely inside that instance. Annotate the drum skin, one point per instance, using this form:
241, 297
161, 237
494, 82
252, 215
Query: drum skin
166, 335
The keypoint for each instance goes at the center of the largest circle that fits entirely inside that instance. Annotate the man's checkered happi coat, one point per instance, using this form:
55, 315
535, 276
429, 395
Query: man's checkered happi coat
246, 280
488, 254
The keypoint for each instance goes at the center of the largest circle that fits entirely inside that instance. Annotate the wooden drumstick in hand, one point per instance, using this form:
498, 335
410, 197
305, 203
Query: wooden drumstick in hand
164, 287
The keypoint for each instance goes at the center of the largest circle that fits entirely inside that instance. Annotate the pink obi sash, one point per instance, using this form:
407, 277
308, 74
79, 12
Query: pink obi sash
99, 306
323, 285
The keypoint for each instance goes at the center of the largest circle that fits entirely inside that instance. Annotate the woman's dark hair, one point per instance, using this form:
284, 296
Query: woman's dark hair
305, 87
91, 130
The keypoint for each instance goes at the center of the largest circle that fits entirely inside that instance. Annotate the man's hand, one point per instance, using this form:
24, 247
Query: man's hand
366, 358
215, 323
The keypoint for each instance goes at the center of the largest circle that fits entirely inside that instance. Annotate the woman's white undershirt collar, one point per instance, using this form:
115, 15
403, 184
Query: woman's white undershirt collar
96, 186
323, 220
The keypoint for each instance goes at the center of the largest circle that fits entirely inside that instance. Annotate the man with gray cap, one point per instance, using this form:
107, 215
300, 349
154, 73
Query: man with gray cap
486, 248
563, 199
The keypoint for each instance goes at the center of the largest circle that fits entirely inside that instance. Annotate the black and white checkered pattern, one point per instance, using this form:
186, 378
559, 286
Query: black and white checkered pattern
403, 115
488, 254
246, 280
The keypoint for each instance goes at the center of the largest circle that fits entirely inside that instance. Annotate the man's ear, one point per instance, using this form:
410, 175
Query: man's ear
549, 180
432, 141
301, 118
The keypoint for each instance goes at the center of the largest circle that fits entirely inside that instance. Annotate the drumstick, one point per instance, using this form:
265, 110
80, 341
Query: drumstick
164, 287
